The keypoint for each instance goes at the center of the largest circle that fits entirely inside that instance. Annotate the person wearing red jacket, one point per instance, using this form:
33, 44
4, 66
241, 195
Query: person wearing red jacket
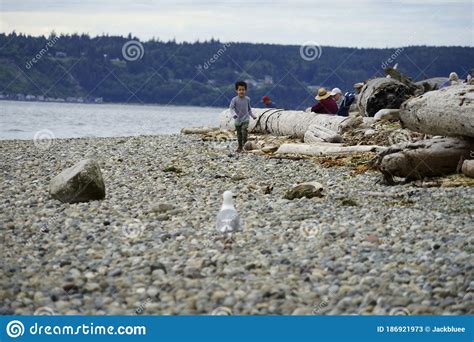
326, 103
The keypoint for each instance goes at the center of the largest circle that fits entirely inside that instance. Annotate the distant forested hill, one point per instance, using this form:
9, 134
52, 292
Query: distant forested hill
201, 73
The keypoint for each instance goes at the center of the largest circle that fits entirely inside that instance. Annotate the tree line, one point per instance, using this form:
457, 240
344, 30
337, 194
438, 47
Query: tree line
125, 69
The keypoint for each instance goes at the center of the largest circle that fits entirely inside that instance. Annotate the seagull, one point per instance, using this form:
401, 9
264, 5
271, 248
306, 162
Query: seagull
228, 219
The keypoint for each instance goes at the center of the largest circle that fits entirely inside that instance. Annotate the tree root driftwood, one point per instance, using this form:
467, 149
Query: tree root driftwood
381, 93
424, 158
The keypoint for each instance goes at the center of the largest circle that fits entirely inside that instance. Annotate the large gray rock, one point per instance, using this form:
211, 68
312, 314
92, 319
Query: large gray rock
468, 168
80, 183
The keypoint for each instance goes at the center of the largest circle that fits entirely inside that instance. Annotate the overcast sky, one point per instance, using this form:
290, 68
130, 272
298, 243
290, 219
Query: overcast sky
355, 23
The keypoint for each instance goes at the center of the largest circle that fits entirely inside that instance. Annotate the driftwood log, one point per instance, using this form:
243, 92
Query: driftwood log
424, 158
199, 130
449, 111
298, 124
319, 149
316, 133
380, 93
432, 83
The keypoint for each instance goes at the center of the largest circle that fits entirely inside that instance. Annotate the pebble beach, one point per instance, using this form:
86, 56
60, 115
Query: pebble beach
150, 247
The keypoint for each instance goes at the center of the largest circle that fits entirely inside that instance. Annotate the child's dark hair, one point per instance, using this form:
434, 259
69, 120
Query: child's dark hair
240, 84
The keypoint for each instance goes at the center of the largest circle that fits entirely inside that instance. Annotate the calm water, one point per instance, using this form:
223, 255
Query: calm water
22, 120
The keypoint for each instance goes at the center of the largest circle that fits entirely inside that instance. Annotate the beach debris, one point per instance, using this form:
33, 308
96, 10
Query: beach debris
228, 219
308, 190
468, 168
448, 112
82, 182
424, 158
382, 133
172, 168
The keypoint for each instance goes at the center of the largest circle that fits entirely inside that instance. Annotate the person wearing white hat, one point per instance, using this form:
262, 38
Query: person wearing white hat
453, 79
343, 101
336, 94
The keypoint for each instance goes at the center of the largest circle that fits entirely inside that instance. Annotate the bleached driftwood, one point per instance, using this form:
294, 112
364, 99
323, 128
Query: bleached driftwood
294, 123
449, 111
324, 148
199, 130
424, 158
380, 93
316, 133
387, 114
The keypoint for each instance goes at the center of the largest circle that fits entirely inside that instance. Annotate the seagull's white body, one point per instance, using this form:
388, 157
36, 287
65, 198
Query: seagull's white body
228, 219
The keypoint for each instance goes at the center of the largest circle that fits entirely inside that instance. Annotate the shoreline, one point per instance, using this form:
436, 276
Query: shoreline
374, 249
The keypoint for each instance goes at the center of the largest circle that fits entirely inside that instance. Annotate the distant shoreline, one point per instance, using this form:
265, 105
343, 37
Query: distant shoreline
109, 103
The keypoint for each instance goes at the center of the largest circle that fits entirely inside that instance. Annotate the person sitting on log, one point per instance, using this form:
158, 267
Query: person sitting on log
241, 112
343, 101
470, 77
453, 79
326, 104
267, 102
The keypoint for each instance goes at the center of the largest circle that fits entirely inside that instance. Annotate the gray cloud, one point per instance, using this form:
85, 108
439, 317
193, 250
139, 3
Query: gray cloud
365, 23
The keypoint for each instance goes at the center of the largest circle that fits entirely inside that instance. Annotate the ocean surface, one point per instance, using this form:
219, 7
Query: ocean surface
25, 120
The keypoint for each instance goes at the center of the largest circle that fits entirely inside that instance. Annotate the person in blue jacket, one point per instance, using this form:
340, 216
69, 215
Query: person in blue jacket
343, 101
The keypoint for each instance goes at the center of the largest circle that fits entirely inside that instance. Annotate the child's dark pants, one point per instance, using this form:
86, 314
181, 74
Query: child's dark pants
242, 133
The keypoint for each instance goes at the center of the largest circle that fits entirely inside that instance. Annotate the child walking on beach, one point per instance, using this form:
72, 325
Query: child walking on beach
241, 111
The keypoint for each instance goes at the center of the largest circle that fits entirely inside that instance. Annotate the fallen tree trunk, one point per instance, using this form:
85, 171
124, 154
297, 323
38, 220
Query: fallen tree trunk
322, 148
199, 130
449, 111
380, 93
424, 158
294, 123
